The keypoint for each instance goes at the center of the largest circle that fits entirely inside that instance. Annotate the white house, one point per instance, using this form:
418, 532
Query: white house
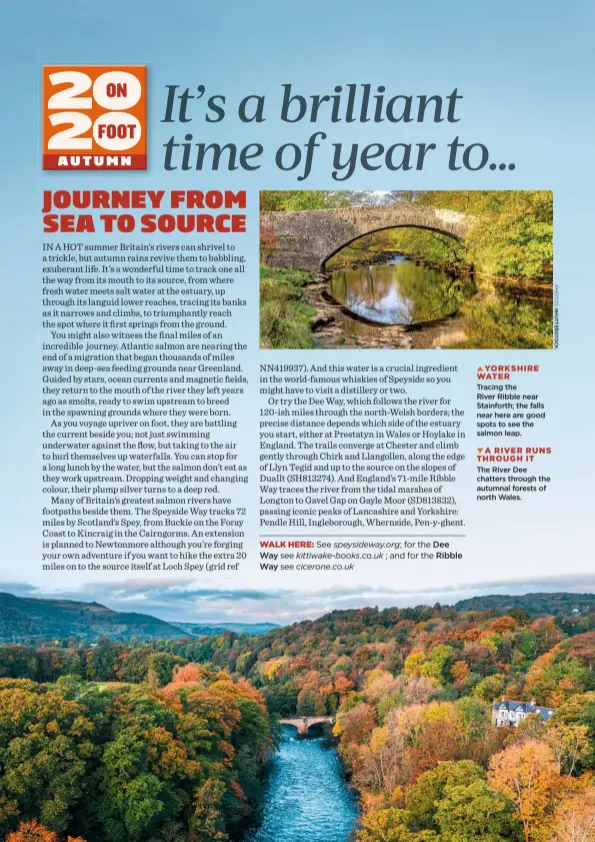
508, 713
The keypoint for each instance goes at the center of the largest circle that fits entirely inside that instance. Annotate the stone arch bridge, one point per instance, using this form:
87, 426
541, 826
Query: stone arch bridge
303, 723
308, 239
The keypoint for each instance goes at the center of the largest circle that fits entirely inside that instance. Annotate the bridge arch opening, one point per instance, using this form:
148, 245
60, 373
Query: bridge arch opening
441, 232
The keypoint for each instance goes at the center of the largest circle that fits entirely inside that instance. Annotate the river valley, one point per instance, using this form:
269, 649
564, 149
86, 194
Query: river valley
305, 797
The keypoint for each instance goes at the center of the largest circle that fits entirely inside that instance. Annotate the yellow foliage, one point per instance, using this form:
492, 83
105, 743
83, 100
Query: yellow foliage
379, 738
413, 663
527, 774
490, 641
272, 667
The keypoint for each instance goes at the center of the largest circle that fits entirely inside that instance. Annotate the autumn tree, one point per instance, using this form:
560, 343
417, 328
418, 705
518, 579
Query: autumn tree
502, 624
570, 744
433, 664
532, 727
356, 725
528, 775
32, 831
471, 811
579, 710
553, 678
582, 647
490, 687
460, 673
206, 824
382, 764
430, 788
390, 825
45, 748
574, 818
296, 200
160, 668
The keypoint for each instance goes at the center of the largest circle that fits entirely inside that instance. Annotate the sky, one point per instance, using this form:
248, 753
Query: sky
186, 601
525, 72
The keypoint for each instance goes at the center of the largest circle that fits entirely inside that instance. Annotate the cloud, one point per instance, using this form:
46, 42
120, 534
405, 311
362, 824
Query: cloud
187, 600
179, 590
571, 582
18, 588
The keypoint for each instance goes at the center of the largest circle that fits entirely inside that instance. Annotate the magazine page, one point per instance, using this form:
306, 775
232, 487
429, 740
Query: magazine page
296, 538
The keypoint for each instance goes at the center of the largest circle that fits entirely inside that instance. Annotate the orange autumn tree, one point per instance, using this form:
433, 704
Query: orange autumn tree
188, 674
343, 685
582, 647
554, 677
354, 727
34, 832
502, 624
528, 775
574, 819
460, 673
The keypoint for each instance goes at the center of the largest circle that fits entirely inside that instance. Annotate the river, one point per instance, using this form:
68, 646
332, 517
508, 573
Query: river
305, 797
401, 292
404, 303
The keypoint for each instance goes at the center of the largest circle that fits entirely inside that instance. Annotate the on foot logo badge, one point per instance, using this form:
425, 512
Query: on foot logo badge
94, 117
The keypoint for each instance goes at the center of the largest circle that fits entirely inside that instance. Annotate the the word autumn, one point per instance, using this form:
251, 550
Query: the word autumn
134, 200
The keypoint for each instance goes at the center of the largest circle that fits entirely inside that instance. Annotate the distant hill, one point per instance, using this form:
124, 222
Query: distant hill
215, 629
24, 619
555, 604
30, 620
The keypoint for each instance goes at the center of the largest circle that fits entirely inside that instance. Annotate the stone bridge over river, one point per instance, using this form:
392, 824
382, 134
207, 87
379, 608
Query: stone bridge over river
307, 239
303, 723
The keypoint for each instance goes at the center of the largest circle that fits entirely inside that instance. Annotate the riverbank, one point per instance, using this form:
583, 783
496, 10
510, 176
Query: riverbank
285, 315
491, 312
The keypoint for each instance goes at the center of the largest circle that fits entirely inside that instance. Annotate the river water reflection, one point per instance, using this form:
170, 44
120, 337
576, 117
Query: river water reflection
406, 304
306, 797
399, 293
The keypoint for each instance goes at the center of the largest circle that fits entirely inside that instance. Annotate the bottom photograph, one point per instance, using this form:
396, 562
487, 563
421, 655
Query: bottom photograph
425, 724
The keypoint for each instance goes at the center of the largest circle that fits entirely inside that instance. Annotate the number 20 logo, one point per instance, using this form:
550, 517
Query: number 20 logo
103, 112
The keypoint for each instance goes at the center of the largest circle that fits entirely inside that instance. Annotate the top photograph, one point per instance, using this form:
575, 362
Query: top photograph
458, 269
